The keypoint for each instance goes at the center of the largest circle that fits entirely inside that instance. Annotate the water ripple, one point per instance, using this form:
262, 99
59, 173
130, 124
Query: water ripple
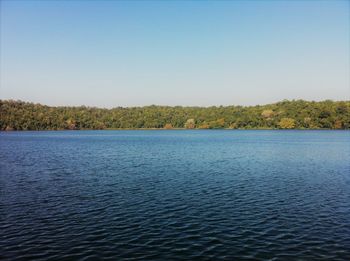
220, 195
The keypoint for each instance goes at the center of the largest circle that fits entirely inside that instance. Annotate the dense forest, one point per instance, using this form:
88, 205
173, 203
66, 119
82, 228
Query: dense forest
295, 114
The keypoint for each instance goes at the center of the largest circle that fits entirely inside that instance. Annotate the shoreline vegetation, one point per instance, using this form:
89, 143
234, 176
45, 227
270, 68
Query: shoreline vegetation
287, 114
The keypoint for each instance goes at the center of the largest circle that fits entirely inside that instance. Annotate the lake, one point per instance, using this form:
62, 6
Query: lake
175, 195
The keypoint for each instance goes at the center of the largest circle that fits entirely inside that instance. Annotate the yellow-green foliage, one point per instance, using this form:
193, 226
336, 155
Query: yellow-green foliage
287, 123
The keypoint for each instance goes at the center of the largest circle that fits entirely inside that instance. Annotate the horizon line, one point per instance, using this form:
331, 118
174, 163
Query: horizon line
172, 106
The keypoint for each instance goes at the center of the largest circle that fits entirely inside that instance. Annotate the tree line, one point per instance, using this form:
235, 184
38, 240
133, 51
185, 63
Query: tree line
294, 114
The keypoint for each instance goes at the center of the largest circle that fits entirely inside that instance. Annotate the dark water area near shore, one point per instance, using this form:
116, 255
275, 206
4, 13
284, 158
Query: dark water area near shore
175, 195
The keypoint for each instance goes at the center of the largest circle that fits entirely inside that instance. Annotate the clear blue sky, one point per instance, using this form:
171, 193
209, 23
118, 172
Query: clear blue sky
116, 53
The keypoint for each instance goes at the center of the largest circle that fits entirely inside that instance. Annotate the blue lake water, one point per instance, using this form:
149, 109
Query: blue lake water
175, 195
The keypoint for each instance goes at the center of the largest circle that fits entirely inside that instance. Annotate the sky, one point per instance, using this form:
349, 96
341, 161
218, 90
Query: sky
189, 53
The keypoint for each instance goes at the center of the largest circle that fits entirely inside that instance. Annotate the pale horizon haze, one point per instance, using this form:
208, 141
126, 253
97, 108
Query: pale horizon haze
189, 53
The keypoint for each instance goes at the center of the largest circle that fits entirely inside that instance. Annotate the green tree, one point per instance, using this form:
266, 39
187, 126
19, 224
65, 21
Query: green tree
19, 115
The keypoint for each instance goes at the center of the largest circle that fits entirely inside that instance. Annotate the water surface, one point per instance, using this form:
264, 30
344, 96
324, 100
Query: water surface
165, 195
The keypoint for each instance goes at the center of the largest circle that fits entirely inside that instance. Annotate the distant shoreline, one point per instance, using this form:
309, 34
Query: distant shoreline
295, 114
174, 129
